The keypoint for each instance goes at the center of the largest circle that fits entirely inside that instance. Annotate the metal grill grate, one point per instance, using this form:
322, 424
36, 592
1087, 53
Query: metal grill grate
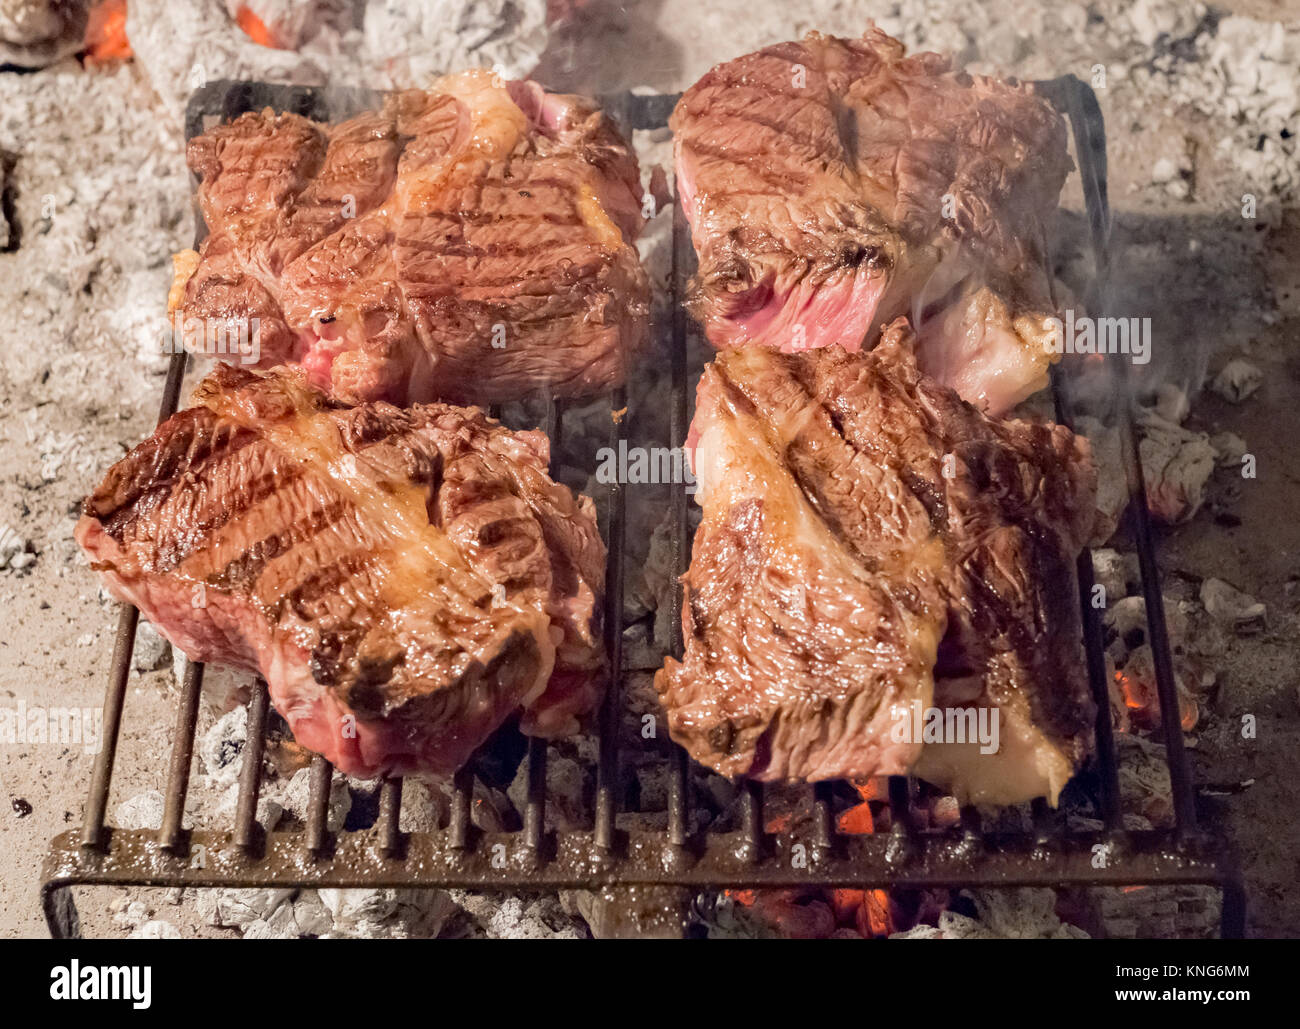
905, 857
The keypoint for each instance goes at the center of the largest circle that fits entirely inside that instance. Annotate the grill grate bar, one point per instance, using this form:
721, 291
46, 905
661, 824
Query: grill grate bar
678, 788
751, 821
535, 809
607, 760
900, 805
1080, 104
318, 804
460, 856
823, 820
390, 816
1180, 776
461, 798
92, 833
250, 771
170, 835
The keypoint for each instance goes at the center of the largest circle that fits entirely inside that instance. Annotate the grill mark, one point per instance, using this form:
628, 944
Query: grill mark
505, 251
744, 114
243, 571
748, 162
174, 549
461, 218
152, 483
589, 276
324, 580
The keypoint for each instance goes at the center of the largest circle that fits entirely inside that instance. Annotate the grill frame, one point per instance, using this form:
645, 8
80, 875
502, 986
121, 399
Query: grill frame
462, 857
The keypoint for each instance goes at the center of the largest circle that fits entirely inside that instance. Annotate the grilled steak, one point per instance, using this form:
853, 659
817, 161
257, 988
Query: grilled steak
403, 579
833, 185
470, 244
871, 543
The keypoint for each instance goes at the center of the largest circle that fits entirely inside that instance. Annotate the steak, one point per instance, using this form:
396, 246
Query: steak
833, 185
471, 244
873, 547
404, 580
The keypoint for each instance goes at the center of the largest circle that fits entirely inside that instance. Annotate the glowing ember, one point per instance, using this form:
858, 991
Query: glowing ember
1142, 699
106, 33
778, 824
868, 910
745, 897
256, 30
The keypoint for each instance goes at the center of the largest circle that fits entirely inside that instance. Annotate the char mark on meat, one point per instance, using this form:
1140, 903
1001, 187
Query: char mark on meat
873, 546
833, 185
404, 580
472, 243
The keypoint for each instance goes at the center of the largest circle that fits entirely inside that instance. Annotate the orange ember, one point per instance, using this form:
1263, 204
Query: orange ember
858, 820
779, 824
873, 916
866, 910
1141, 698
745, 897
256, 30
106, 33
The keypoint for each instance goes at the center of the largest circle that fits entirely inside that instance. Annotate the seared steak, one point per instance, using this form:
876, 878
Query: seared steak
403, 579
471, 244
871, 542
833, 185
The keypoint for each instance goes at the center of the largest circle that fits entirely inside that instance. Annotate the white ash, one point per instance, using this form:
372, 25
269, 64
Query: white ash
15, 551
1161, 20
296, 798
280, 924
1177, 464
1230, 447
310, 914
151, 651
1011, 914
156, 929
1127, 619
235, 908
1118, 574
222, 814
413, 43
223, 687
1242, 72
1159, 912
34, 33
100, 188
397, 46
129, 912
424, 808
1144, 779
517, 918
1237, 381
143, 811
387, 913
567, 784
1230, 607
221, 748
